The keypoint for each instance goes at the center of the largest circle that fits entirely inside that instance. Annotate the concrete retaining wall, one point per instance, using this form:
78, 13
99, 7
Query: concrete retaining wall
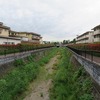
91, 67
6, 62
11, 57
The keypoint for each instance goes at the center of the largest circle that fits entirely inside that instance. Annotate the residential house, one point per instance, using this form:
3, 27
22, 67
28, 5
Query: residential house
8, 34
4, 30
4, 36
27, 36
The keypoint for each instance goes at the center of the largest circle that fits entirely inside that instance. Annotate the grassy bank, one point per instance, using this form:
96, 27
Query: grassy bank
70, 83
18, 80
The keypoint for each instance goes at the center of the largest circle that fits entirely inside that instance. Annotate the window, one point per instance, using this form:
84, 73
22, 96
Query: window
5, 29
13, 43
5, 42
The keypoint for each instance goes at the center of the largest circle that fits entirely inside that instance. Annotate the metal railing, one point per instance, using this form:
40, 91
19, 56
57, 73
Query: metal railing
91, 67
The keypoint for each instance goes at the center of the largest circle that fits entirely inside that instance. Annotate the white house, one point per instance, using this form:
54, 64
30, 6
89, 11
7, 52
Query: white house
9, 40
86, 37
96, 33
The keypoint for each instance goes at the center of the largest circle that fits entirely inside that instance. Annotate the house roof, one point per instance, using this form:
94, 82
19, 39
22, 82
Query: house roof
1, 23
98, 26
84, 33
29, 33
34, 33
13, 31
5, 27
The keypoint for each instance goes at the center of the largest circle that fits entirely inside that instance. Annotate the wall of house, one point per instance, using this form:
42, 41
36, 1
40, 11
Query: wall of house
9, 41
4, 32
97, 35
24, 39
22, 34
29, 36
97, 38
91, 37
96, 31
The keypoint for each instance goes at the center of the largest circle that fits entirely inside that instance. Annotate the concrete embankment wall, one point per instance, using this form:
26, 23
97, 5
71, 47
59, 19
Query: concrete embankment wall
91, 67
6, 61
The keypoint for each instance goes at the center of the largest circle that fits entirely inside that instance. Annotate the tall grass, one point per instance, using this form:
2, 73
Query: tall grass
70, 83
17, 80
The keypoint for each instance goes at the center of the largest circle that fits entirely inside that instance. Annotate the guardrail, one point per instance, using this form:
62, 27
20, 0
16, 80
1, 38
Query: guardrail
91, 67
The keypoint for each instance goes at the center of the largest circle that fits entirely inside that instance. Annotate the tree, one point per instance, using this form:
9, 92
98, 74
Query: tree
65, 41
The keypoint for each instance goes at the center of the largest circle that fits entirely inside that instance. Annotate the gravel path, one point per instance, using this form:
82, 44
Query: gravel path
41, 89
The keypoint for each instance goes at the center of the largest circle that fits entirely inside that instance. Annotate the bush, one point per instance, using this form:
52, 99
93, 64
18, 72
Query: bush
19, 62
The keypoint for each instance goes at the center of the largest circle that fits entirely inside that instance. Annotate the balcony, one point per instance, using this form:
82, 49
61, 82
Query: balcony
35, 38
97, 32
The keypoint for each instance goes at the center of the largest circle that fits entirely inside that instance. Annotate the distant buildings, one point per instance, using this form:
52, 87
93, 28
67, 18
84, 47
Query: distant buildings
89, 36
86, 37
7, 36
96, 34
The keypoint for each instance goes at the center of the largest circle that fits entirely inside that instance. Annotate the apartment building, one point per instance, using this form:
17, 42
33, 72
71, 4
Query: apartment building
86, 37
7, 35
4, 35
96, 34
27, 36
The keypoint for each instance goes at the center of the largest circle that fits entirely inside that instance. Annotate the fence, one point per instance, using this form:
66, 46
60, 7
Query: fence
91, 67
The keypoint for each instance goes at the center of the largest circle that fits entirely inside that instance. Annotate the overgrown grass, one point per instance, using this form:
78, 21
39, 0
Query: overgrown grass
18, 80
70, 83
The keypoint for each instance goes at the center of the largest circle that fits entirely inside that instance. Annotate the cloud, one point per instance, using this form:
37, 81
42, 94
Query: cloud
53, 19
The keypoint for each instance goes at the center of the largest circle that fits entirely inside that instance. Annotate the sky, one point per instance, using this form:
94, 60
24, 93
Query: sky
55, 20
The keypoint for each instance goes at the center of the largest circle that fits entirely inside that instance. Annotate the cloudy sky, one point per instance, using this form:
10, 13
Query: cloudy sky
54, 19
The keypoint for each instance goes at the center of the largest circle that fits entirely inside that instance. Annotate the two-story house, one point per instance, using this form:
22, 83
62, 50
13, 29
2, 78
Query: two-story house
27, 36
4, 36
6, 32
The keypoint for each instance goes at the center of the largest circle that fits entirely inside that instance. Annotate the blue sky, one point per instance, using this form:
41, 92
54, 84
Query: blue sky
55, 20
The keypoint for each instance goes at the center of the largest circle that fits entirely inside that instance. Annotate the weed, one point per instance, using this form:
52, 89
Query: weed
68, 81
19, 62
41, 94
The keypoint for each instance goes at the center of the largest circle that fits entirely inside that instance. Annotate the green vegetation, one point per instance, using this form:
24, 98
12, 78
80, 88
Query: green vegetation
70, 83
18, 80
8, 49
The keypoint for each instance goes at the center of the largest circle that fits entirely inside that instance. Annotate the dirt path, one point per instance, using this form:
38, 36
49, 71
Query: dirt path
40, 88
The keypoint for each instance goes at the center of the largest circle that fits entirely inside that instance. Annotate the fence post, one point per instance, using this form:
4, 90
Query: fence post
5, 52
91, 55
